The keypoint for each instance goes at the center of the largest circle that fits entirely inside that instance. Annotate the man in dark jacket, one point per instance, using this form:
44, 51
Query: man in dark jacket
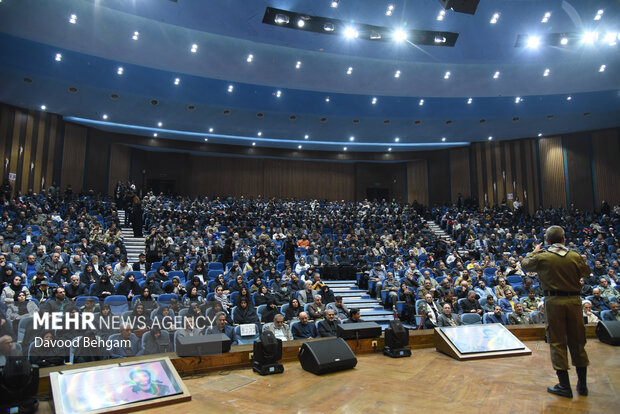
303, 329
471, 304
75, 288
329, 325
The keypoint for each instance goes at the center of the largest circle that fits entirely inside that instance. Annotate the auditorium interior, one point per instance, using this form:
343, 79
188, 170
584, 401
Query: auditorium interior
303, 206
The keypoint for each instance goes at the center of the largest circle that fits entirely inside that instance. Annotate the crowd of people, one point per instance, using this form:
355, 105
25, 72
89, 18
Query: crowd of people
268, 262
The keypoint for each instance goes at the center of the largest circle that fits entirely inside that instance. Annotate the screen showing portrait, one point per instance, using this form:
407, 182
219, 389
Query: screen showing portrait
482, 338
108, 386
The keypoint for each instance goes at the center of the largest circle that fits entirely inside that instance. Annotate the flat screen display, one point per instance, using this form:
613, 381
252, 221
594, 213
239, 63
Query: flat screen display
110, 386
482, 338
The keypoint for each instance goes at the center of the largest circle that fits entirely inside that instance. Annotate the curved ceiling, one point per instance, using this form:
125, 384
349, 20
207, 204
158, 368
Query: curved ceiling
274, 101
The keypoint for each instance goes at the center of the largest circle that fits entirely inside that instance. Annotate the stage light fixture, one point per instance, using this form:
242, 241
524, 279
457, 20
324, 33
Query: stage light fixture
160, 124
206, 139
540, 134
396, 340
345, 148
281, 19
328, 27
533, 42
327, 99
350, 32
518, 99
399, 35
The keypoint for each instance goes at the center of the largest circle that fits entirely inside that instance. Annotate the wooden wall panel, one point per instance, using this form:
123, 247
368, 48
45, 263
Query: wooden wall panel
49, 148
439, 177
552, 172
481, 185
460, 173
97, 163
39, 155
119, 165
606, 153
417, 181
73, 157
577, 149
373, 175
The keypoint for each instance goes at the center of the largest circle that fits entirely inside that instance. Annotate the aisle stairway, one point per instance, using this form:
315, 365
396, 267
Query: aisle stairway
439, 232
134, 245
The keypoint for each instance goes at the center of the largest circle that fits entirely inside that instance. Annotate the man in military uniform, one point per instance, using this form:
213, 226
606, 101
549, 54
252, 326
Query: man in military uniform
559, 270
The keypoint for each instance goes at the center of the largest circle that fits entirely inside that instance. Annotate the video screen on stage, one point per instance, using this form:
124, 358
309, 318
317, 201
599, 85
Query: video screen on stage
482, 338
108, 386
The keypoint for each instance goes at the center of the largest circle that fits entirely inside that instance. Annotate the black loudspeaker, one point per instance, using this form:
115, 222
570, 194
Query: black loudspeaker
329, 355
211, 344
460, 6
267, 352
608, 332
359, 330
396, 340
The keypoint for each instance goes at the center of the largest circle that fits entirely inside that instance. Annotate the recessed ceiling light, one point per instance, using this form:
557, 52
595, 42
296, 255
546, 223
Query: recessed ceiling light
399, 35
105, 116
301, 23
298, 64
490, 138
610, 38
278, 94
564, 41
299, 146
231, 88
494, 18
533, 42
194, 48
374, 35
569, 98
447, 75
73, 19
334, 3
546, 17
345, 148
328, 27
43, 107
496, 75
350, 70
469, 101
58, 57
390, 10
281, 19
602, 68
443, 139
390, 149
397, 74
540, 134
211, 130
441, 15
421, 102
260, 134
351, 138
397, 139
136, 35
120, 70
254, 144
350, 32
440, 39
160, 124
546, 72
177, 81
155, 134
327, 99
599, 14
374, 101
589, 37
518, 99
250, 58
306, 136
206, 139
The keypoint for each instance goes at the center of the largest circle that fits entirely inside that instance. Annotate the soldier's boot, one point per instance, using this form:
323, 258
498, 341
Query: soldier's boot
563, 388
582, 386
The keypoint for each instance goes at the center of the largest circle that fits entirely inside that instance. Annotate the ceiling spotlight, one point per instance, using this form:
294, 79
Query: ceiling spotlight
160, 124
43, 107
599, 14
350, 32
155, 134
602, 68
120, 70
301, 23
443, 139
230, 88
390, 149
260, 134
533, 42
306, 136
441, 15
469, 101
177, 81
399, 35
299, 146
546, 17
440, 39
518, 99
194, 48
569, 98
375, 35
589, 37
334, 3
447, 75
496, 75
298, 64
494, 18
540, 134
421, 102
345, 148
73, 19
58, 57
206, 139
546, 73
349, 70
250, 58
327, 99
396, 139
374, 101
281, 19
104, 116
211, 130
351, 138
490, 138
328, 27
397, 74
278, 94
254, 144
136, 35
390, 10
564, 41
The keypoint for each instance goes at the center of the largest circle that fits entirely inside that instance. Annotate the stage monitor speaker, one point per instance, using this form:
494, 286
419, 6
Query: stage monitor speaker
460, 6
608, 332
199, 345
329, 355
359, 330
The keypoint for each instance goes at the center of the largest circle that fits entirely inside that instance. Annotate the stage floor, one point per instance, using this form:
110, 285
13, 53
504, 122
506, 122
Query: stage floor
428, 381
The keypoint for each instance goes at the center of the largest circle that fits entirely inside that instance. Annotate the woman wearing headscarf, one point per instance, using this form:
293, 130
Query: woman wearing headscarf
234, 271
222, 297
105, 322
154, 287
146, 299
199, 271
263, 296
327, 296
194, 311
49, 354
250, 264
160, 275
20, 308
180, 265
89, 276
269, 312
244, 293
258, 283
221, 281
214, 310
156, 343
239, 284
129, 287
244, 313
103, 288
62, 276
197, 283
293, 310
193, 296
140, 320
175, 287
9, 293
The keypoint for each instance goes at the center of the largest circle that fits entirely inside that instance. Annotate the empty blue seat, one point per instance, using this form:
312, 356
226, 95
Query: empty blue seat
118, 304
